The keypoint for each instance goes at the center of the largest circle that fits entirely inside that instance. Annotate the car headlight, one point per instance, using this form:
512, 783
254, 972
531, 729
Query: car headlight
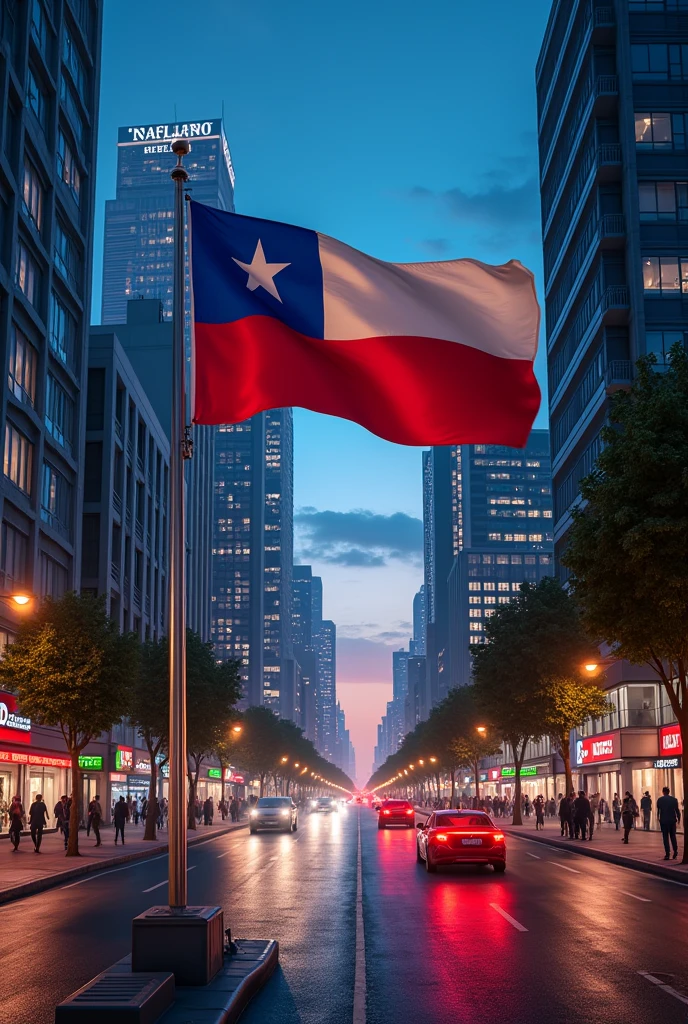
285, 814
254, 814
314, 803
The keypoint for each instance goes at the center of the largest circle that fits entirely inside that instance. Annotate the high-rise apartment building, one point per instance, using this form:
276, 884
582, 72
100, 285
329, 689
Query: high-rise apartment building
440, 538
325, 643
417, 644
51, 56
612, 91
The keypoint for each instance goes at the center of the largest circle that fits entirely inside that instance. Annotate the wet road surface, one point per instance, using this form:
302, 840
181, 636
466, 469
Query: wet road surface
558, 938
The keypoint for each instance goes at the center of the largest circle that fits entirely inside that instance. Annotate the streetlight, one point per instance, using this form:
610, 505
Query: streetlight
284, 760
481, 729
21, 599
433, 759
236, 729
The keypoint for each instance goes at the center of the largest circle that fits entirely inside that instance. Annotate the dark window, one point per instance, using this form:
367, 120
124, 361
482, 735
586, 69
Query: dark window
67, 167
663, 200
59, 413
35, 98
93, 469
14, 547
39, 27
90, 550
56, 499
73, 61
95, 399
62, 336
53, 577
71, 106
656, 6
659, 62
660, 343
67, 256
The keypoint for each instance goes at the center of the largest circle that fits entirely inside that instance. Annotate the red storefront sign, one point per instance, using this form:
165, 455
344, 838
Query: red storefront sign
43, 760
595, 749
670, 742
238, 780
14, 727
494, 774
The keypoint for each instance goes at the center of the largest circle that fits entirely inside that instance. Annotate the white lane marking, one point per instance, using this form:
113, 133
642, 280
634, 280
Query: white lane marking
225, 854
507, 917
160, 884
564, 867
112, 871
664, 987
360, 969
609, 864
634, 897
533, 855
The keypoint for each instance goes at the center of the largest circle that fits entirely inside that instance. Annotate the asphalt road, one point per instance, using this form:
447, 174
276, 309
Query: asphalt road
558, 938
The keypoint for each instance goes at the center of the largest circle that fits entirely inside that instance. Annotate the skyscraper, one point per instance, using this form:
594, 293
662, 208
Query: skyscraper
49, 108
441, 526
506, 540
417, 645
137, 263
252, 551
325, 643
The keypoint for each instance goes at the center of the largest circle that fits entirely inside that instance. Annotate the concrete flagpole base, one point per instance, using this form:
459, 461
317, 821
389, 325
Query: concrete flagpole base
188, 942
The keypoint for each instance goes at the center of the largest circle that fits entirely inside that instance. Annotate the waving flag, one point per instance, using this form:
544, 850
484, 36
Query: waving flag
419, 353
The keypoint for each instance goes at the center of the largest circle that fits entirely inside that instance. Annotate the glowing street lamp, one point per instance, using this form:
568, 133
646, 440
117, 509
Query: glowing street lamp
284, 760
236, 729
433, 759
481, 729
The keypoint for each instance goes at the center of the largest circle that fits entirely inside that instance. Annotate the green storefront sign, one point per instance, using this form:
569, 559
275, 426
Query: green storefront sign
90, 763
214, 773
510, 773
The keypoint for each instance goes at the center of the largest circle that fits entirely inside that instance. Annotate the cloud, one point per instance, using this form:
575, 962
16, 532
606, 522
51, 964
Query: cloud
360, 660
357, 538
496, 206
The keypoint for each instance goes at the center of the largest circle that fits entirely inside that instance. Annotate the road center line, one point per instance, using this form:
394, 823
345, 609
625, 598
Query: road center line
160, 884
564, 867
225, 854
533, 855
360, 969
634, 897
507, 917
665, 988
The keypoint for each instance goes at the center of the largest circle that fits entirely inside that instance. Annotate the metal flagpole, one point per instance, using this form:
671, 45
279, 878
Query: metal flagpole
177, 584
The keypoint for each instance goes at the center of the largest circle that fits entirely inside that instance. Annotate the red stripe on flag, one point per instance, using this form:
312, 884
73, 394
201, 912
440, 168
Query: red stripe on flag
415, 391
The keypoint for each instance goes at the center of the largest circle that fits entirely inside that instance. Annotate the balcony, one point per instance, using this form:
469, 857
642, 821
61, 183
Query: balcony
137, 596
117, 504
139, 529
139, 464
618, 375
119, 431
114, 573
609, 306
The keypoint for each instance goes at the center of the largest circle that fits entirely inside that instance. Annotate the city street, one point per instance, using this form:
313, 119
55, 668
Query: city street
557, 938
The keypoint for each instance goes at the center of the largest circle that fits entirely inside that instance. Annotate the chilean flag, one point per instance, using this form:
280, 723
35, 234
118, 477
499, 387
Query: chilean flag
419, 353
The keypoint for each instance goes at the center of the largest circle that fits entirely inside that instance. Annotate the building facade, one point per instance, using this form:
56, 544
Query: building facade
125, 548
612, 88
50, 84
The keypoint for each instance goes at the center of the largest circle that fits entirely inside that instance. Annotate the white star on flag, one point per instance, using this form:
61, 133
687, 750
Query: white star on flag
260, 273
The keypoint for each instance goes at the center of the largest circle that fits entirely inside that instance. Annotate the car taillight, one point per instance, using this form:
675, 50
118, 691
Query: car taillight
499, 837
409, 811
385, 812
441, 837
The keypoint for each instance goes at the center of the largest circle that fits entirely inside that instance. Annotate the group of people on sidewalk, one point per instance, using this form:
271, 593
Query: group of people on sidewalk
577, 816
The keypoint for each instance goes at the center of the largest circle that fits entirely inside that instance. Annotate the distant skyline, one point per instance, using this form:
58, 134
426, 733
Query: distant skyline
384, 125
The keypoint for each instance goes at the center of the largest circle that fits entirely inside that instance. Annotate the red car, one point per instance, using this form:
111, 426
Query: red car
460, 837
396, 812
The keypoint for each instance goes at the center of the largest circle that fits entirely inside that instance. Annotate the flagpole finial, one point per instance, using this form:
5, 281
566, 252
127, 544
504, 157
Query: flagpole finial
180, 148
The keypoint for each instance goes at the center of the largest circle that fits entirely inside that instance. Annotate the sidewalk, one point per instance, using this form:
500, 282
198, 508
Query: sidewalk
26, 872
645, 850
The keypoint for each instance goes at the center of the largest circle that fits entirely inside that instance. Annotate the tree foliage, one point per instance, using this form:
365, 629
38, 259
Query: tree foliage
628, 546
71, 668
149, 711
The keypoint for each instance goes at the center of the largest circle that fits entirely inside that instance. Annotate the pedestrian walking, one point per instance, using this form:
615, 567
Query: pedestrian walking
601, 808
234, 809
121, 816
646, 808
616, 810
669, 814
38, 819
565, 815
136, 810
539, 805
61, 812
16, 820
95, 813
629, 812
526, 806
581, 812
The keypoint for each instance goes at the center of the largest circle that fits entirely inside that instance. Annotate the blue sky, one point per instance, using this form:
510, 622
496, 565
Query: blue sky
407, 130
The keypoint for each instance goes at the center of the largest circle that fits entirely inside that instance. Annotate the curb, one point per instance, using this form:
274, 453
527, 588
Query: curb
647, 867
37, 885
252, 983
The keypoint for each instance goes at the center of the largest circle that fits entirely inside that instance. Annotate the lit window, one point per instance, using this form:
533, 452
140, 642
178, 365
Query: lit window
502, 586
474, 586
475, 627
488, 586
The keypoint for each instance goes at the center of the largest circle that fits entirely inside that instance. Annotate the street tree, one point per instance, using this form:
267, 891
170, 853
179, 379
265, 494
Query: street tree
212, 691
259, 747
150, 714
628, 545
71, 668
472, 739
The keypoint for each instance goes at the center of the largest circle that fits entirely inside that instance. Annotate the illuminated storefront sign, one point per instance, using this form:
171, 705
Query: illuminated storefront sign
90, 762
13, 726
124, 759
667, 762
594, 749
42, 760
142, 765
527, 770
670, 740
117, 777
238, 780
214, 773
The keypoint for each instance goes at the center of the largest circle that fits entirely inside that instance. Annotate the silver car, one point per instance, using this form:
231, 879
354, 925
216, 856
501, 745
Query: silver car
277, 813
